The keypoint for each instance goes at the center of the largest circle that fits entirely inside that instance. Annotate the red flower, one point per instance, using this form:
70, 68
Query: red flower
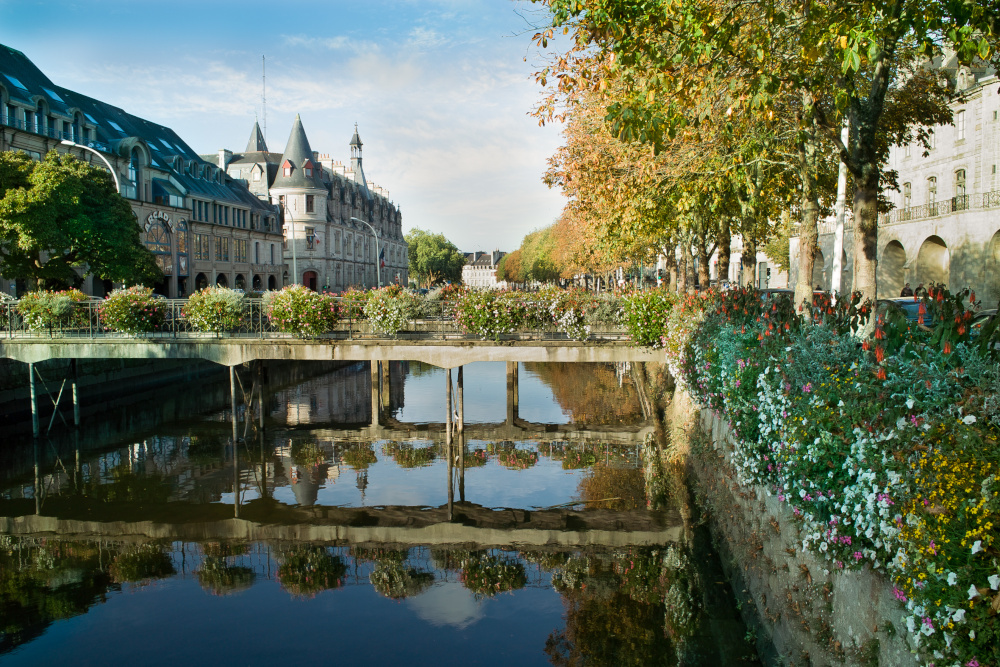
881, 373
947, 347
879, 354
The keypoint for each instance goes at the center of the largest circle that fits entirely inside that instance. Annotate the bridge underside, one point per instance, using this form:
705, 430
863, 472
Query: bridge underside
232, 352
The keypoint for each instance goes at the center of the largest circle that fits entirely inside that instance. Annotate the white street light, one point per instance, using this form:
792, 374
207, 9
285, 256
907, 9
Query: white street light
67, 142
378, 261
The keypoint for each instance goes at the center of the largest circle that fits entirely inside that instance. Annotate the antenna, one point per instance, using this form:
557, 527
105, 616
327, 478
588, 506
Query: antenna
263, 92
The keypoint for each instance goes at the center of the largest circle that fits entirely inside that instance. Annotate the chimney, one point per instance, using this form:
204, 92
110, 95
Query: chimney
225, 156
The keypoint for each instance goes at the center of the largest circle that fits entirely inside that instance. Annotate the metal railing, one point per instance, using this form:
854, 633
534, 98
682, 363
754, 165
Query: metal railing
429, 320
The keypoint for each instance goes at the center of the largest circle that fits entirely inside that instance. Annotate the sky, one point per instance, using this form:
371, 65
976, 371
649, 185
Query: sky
441, 90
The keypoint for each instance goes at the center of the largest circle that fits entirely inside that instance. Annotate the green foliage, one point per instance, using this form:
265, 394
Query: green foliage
298, 310
140, 563
433, 258
219, 577
54, 310
308, 570
490, 314
487, 575
216, 309
61, 214
133, 311
407, 456
398, 582
389, 309
359, 457
645, 316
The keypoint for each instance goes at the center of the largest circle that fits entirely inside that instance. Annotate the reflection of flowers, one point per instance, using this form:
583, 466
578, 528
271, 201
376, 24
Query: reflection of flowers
307, 454
509, 456
396, 581
573, 460
487, 575
306, 571
477, 458
140, 564
407, 456
379, 554
359, 457
221, 578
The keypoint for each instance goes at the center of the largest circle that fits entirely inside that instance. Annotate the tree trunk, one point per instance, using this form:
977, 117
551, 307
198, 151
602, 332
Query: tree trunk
866, 233
749, 258
688, 265
725, 250
682, 283
672, 268
808, 232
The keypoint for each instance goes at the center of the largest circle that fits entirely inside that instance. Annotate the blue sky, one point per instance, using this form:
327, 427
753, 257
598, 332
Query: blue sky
439, 88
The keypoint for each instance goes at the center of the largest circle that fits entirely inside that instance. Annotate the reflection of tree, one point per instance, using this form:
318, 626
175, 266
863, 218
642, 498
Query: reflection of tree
219, 577
140, 563
127, 486
45, 582
632, 607
359, 456
612, 487
509, 456
308, 570
407, 456
487, 574
307, 454
590, 392
396, 581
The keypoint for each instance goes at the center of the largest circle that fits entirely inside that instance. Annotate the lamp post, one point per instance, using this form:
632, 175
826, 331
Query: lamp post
378, 269
67, 142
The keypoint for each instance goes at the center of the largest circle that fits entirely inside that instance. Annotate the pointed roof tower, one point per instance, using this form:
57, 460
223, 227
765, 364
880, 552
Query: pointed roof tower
256, 143
359, 173
298, 168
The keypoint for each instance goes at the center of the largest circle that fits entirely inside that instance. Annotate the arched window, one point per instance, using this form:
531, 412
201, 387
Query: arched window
158, 243
182, 248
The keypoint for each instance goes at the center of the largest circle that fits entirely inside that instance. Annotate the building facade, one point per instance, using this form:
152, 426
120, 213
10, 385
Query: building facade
325, 205
203, 226
944, 226
480, 270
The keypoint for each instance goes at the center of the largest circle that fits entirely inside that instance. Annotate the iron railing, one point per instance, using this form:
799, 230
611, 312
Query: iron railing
430, 320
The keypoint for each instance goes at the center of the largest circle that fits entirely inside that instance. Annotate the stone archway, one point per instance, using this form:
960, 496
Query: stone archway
272, 283
258, 284
819, 271
310, 280
933, 262
221, 280
200, 281
240, 282
993, 268
891, 270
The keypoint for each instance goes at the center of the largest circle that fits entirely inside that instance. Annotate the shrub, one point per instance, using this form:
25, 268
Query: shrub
645, 316
388, 309
352, 303
134, 310
216, 309
490, 313
298, 310
53, 310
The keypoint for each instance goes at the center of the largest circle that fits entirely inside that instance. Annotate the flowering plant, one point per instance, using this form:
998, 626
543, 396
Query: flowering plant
133, 311
308, 570
296, 309
487, 574
52, 310
215, 309
388, 309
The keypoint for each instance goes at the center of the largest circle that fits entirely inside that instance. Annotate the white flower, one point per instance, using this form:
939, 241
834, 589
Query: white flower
973, 593
958, 616
994, 581
910, 403
952, 578
972, 635
977, 546
969, 419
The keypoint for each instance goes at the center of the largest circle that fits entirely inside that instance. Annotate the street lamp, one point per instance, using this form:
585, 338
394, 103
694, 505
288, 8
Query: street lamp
378, 268
67, 142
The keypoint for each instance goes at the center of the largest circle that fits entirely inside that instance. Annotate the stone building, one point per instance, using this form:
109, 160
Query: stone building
944, 226
324, 206
203, 226
480, 269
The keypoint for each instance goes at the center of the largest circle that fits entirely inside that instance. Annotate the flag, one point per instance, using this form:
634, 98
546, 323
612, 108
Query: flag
381, 258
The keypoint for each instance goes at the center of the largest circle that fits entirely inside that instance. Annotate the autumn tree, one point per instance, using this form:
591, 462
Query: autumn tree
61, 217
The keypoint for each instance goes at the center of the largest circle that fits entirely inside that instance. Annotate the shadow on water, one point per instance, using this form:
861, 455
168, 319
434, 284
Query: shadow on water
565, 542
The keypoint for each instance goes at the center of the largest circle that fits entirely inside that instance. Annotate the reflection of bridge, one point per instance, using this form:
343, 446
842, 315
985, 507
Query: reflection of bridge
520, 430
264, 520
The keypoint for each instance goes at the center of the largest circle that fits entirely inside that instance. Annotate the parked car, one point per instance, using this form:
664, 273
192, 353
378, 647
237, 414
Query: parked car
910, 307
980, 319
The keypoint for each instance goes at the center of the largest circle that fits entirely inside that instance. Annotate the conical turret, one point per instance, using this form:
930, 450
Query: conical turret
256, 143
298, 168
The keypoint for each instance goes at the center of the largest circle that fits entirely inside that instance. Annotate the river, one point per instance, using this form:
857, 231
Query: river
552, 529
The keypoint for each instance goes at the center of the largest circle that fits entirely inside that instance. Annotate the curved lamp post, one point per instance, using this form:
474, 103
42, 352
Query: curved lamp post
378, 269
67, 142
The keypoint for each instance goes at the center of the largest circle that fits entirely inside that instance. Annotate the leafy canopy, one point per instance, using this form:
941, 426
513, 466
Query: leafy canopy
433, 258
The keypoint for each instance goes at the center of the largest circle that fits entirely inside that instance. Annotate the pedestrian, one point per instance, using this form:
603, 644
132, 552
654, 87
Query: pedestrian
920, 291
906, 291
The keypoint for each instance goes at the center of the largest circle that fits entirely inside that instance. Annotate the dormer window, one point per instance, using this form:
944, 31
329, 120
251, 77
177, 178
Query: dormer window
286, 168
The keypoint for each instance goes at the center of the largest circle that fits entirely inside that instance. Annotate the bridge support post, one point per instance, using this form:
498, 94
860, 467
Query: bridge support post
385, 385
375, 399
511, 392
76, 398
461, 400
448, 407
35, 428
232, 402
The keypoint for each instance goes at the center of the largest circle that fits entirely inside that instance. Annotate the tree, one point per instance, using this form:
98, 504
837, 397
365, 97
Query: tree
62, 215
433, 258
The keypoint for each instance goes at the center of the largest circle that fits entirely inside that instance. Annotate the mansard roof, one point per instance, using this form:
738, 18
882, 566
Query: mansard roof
297, 154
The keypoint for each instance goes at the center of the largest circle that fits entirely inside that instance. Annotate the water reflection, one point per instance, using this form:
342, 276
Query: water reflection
571, 538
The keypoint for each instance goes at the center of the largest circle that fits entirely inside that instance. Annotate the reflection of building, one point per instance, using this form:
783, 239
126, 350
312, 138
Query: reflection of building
343, 396
480, 269
202, 226
319, 198
945, 224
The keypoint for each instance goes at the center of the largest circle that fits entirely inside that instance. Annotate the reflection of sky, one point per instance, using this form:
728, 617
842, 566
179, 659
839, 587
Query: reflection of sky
447, 603
492, 485
485, 394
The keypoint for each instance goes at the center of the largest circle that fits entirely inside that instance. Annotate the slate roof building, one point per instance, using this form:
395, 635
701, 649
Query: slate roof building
480, 269
203, 226
321, 201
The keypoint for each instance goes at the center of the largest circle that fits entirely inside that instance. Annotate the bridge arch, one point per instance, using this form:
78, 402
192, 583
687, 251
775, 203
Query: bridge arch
933, 261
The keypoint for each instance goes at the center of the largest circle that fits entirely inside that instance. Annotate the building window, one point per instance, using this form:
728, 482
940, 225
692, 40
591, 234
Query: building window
907, 195
272, 253
961, 199
256, 174
310, 237
960, 125
287, 171
310, 200
158, 243
932, 194
221, 249
202, 247
256, 252
906, 150
933, 139
240, 250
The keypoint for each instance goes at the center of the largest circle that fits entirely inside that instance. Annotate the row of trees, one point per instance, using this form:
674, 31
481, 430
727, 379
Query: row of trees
687, 122
60, 215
